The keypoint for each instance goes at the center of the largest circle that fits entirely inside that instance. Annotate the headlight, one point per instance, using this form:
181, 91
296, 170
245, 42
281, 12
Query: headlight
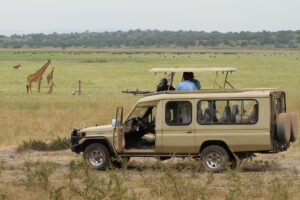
82, 134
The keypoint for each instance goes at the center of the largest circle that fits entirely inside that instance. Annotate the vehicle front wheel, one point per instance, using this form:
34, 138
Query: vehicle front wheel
214, 158
97, 156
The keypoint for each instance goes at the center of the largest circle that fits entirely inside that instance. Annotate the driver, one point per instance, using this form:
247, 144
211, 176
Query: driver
139, 126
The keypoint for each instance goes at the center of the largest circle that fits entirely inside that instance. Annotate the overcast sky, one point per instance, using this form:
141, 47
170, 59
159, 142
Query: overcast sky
47, 16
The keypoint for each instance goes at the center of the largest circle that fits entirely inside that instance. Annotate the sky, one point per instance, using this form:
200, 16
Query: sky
65, 16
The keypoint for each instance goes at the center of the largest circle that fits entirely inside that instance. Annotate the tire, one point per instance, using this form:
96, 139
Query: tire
97, 156
294, 126
283, 128
214, 158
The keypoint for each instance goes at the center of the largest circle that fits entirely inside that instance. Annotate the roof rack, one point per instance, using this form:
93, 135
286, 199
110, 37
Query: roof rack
213, 69
223, 70
211, 91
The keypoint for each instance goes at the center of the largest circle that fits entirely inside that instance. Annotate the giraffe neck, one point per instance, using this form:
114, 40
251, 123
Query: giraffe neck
52, 71
41, 71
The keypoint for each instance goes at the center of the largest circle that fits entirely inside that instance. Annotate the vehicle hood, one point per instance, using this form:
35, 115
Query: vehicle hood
98, 129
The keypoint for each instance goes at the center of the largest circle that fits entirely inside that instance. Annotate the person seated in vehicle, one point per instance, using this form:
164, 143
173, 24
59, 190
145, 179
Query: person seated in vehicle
253, 115
186, 84
195, 81
163, 86
234, 114
226, 117
209, 115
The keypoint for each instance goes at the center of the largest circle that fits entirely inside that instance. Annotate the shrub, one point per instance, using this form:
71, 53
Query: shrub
33, 145
59, 144
54, 145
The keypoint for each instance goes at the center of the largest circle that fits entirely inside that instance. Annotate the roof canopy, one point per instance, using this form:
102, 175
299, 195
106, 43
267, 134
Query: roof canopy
215, 69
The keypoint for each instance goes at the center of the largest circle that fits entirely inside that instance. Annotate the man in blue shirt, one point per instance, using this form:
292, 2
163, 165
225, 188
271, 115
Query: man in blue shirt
186, 84
195, 81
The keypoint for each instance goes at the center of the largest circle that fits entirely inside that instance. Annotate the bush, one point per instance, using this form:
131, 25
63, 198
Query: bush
59, 144
54, 145
33, 145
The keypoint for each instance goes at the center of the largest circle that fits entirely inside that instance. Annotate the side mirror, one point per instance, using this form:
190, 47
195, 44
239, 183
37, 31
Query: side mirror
114, 122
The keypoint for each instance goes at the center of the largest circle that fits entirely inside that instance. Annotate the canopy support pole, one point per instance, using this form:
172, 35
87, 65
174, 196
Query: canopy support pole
171, 82
215, 82
227, 82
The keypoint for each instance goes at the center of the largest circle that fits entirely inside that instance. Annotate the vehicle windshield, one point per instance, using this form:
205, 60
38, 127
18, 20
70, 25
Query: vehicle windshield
138, 112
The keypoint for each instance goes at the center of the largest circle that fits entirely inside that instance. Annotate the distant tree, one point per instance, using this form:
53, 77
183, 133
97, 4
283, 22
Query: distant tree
244, 43
151, 38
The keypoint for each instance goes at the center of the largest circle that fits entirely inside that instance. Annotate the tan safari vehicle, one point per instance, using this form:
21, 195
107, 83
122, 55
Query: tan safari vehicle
217, 126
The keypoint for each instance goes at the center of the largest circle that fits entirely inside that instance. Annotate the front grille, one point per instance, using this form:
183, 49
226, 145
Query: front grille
74, 136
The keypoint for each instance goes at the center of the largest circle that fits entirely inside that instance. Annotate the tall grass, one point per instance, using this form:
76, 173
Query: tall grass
45, 180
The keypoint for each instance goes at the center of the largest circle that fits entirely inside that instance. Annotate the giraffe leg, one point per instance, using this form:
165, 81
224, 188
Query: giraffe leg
39, 86
30, 86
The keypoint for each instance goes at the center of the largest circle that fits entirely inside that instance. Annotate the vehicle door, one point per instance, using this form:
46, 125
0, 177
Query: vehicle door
140, 130
118, 135
178, 127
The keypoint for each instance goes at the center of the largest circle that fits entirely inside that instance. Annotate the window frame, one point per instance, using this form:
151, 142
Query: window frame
186, 124
229, 100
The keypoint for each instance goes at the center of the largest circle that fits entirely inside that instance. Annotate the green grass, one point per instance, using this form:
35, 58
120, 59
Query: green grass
104, 74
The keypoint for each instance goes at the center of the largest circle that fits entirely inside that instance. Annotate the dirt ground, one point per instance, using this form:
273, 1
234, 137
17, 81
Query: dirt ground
140, 174
10, 159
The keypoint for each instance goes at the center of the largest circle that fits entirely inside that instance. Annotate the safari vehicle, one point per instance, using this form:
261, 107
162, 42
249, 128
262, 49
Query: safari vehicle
218, 126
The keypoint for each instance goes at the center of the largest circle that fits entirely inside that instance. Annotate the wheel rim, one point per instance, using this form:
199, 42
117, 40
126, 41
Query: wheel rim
96, 157
214, 160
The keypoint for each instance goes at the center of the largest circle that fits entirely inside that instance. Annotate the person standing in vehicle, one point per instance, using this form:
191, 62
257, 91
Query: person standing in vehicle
195, 81
186, 84
163, 86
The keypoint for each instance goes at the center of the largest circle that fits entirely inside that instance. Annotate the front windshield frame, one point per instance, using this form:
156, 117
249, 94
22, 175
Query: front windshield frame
138, 111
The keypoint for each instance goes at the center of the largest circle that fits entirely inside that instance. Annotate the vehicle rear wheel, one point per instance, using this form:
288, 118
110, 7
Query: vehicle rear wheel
97, 156
283, 128
214, 158
294, 126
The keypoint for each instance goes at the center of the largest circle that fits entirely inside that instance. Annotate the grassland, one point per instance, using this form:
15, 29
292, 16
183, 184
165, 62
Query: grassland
104, 74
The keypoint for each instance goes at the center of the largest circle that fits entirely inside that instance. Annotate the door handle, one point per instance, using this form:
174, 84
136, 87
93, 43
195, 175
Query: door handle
188, 131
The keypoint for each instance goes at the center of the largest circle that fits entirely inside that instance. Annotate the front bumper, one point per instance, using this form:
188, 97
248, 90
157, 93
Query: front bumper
75, 146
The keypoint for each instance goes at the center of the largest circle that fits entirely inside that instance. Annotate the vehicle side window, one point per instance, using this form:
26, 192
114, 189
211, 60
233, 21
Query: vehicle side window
178, 113
227, 112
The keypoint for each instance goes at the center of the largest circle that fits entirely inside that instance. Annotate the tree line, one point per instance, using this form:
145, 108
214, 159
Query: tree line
154, 38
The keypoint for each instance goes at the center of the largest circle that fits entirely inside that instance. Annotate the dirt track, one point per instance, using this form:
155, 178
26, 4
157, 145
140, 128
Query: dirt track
268, 163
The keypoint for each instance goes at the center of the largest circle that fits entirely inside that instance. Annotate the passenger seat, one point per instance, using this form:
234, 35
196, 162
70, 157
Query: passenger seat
149, 138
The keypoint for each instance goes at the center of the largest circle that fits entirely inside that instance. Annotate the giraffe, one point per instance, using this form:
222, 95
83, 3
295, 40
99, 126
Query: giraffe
51, 88
77, 92
37, 77
50, 76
